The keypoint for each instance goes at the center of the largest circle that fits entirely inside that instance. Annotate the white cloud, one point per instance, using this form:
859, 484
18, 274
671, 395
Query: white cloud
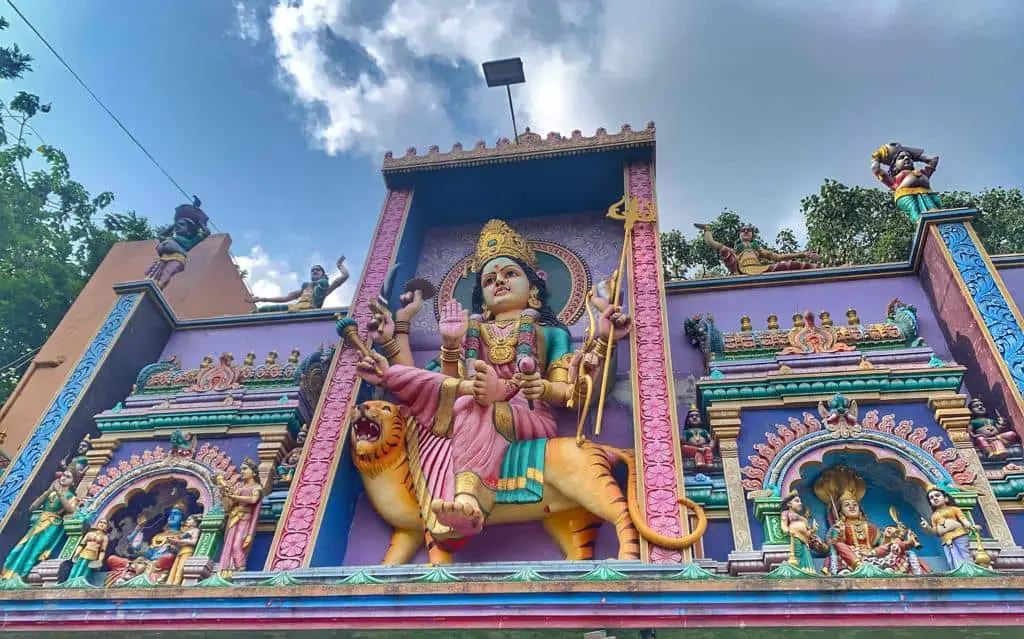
247, 25
272, 277
732, 88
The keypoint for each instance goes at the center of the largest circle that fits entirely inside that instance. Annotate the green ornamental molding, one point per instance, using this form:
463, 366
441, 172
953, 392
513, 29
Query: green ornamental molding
1009, 488
204, 419
709, 497
723, 389
210, 535
768, 511
73, 529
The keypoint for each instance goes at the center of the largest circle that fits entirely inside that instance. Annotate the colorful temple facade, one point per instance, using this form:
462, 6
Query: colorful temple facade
519, 429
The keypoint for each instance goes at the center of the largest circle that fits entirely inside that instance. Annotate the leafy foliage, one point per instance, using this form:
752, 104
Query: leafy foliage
854, 225
53, 232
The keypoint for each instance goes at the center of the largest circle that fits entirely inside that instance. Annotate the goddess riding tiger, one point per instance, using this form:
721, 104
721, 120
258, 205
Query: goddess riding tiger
484, 428
570, 488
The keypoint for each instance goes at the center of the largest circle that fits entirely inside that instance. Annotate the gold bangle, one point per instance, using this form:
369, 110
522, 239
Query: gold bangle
451, 355
601, 348
401, 327
391, 348
547, 392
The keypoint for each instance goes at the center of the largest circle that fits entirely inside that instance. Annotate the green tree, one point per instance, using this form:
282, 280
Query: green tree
692, 258
53, 233
857, 225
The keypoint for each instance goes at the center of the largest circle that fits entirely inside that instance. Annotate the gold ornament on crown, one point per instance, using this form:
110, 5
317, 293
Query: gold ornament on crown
497, 239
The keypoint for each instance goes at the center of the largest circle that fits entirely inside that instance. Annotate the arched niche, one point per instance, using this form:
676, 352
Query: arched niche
890, 483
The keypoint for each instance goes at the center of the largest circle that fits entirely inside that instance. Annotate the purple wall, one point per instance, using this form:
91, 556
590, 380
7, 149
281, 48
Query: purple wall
1014, 280
869, 296
193, 345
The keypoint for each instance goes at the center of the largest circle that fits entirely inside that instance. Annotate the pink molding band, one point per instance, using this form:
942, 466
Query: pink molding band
293, 545
658, 429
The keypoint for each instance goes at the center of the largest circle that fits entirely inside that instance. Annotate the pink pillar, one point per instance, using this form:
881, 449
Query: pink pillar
294, 541
654, 414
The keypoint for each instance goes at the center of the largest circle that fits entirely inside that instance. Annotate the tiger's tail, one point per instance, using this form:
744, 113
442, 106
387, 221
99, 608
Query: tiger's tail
672, 543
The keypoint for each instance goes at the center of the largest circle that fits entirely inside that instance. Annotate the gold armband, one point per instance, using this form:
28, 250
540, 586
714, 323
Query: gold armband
401, 327
391, 348
558, 371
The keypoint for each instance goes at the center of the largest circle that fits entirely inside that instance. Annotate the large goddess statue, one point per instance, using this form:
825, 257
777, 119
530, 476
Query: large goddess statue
503, 367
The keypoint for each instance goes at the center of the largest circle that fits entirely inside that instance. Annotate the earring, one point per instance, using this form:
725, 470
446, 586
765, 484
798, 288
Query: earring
486, 312
535, 302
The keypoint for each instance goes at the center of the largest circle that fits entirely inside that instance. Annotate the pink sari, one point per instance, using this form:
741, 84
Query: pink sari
477, 441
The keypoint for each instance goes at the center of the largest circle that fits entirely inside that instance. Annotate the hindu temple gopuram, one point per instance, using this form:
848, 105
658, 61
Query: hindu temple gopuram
520, 429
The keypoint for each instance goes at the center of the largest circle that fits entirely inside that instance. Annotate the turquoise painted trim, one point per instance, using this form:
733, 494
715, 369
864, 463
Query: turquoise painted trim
453, 599
993, 307
894, 269
721, 390
200, 420
64, 403
147, 286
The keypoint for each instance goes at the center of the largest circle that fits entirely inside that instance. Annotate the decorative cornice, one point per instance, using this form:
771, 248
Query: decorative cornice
149, 288
202, 419
946, 378
531, 145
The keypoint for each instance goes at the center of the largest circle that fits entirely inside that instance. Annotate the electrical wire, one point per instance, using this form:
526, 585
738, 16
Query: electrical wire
98, 101
24, 359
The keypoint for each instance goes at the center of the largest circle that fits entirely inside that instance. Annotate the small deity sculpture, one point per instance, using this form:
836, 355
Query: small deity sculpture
951, 525
697, 442
839, 416
995, 438
181, 444
80, 461
751, 257
802, 533
89, 553
912, 187
242, 504
852, 539
176, 241
311, 295
185, 545
502, 370
286, 469
46, 526
136, 538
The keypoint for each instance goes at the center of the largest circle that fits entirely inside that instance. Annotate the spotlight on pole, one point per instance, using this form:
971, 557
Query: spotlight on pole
505, 73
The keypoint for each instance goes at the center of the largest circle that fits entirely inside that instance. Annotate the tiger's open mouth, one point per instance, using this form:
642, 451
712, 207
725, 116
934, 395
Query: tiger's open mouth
365, 429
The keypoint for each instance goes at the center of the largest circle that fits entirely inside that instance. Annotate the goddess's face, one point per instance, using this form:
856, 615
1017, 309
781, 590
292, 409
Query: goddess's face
936, 498
796, 505
851, 508
746, 234
505, 285
247, 473
102, 525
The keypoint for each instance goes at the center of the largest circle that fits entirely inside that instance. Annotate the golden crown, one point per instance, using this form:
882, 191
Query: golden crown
497, 239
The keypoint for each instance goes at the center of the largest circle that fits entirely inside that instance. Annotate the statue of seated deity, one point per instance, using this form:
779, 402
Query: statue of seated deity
163, 555
852, 539
503, 368
995, 439
697, 444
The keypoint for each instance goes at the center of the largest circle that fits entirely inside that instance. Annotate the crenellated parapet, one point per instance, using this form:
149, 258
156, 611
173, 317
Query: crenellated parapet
529, 145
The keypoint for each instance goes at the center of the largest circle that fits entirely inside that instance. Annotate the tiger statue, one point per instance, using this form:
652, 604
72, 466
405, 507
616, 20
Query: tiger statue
579, 491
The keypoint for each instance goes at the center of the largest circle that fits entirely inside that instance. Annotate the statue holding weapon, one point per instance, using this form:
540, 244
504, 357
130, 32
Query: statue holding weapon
504, 364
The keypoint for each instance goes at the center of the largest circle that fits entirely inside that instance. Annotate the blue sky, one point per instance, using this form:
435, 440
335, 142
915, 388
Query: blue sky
277, 113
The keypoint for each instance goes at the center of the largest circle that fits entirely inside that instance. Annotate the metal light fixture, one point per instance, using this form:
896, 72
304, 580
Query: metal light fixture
505, 73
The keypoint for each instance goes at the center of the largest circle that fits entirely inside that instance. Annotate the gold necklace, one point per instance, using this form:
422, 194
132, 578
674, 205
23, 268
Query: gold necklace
501, 349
